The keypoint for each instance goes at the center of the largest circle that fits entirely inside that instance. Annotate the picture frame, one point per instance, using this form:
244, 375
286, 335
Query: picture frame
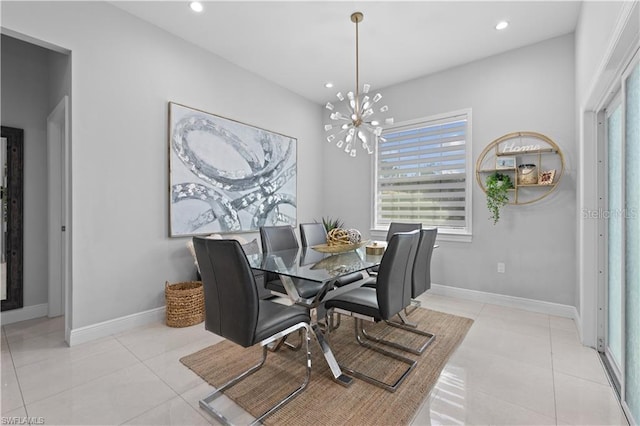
546, 177
226, 176
503, 163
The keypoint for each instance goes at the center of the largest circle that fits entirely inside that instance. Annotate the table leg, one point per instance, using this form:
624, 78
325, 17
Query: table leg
338, 376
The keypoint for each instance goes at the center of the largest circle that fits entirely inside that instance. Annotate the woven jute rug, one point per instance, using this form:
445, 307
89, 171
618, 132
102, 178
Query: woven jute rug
325, 402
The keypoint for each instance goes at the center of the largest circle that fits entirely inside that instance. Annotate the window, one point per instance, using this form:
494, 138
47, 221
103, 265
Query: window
423, 171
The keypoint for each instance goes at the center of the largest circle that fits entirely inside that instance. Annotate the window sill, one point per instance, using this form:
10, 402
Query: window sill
381, 235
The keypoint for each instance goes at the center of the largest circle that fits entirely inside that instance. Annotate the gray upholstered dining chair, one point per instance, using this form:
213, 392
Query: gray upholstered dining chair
421, 277
275, 238
380, 303
395, 227
420, 282
312, 234
234, 311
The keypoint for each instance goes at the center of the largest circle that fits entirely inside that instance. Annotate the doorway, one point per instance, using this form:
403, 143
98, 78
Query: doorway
36, 89
57, 142
619, 339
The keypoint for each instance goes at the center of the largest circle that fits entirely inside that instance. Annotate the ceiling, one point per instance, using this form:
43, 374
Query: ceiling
301, 45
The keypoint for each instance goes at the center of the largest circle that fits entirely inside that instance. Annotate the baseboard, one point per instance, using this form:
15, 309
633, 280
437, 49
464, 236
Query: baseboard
23, 314
549, 308
116, 325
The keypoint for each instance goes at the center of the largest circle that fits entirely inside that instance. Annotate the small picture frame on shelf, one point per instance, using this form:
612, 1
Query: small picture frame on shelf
503, 163
546, 177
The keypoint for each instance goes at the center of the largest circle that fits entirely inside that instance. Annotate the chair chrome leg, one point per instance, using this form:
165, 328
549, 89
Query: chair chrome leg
415, 304
409, 328
391, 387
421, 349
276, 345
205, 403
332, 323
293, 394
297, 347
405, 320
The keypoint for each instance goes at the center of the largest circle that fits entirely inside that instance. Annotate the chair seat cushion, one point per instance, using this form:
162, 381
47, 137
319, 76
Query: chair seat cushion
273, 317
306, 289
362, 300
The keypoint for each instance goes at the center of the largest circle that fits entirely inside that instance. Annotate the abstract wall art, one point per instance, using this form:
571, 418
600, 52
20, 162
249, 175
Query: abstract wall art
226, 176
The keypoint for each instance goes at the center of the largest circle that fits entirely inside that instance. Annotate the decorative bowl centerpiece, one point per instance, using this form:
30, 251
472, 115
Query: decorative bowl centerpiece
341, 240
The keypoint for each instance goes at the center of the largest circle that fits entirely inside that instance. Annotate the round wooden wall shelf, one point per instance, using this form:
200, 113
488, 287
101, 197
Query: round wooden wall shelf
533, 161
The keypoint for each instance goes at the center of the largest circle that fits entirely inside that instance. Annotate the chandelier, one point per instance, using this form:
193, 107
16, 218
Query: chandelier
358, 121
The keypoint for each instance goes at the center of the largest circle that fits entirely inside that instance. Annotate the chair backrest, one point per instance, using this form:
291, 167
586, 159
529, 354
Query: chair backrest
275, 238
395, 227
230, 294
421, 277
393, 285
312, 234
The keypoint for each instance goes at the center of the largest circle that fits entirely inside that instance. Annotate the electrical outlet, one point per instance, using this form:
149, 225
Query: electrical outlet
501, 267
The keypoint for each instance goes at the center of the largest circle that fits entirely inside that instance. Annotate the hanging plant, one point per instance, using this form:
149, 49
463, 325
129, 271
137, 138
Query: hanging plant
497, 188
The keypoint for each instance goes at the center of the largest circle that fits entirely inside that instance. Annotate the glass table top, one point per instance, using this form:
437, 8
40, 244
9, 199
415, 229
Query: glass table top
312, 265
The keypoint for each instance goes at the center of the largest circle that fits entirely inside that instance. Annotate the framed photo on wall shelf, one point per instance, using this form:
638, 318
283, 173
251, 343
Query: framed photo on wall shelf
226, 176
503, 163
546, 177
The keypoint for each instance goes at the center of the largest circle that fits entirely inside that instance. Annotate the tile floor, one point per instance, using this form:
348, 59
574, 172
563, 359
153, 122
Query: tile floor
514, 367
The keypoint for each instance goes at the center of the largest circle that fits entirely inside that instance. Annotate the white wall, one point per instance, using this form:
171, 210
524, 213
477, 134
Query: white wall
124, 74
25, 91
527, 89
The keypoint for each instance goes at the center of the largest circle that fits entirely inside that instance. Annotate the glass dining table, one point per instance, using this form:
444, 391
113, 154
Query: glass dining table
308, 264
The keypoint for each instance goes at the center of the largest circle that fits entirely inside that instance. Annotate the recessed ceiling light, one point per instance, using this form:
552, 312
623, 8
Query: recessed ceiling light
196, 6
328, 85
502, 25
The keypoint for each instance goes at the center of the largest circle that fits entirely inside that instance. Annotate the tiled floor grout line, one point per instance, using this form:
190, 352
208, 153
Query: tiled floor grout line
15, 371
162, 380
70, 388
552, 378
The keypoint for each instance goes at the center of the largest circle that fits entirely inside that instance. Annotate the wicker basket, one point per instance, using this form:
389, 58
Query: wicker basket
185, 303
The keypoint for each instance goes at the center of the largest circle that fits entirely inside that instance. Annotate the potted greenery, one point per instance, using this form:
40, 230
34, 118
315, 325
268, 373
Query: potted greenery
330, 223
497, 187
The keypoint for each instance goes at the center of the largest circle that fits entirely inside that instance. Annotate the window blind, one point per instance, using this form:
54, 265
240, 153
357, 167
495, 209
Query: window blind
422, 173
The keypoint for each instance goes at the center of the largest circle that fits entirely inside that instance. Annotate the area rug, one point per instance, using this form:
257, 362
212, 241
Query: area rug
325, 402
